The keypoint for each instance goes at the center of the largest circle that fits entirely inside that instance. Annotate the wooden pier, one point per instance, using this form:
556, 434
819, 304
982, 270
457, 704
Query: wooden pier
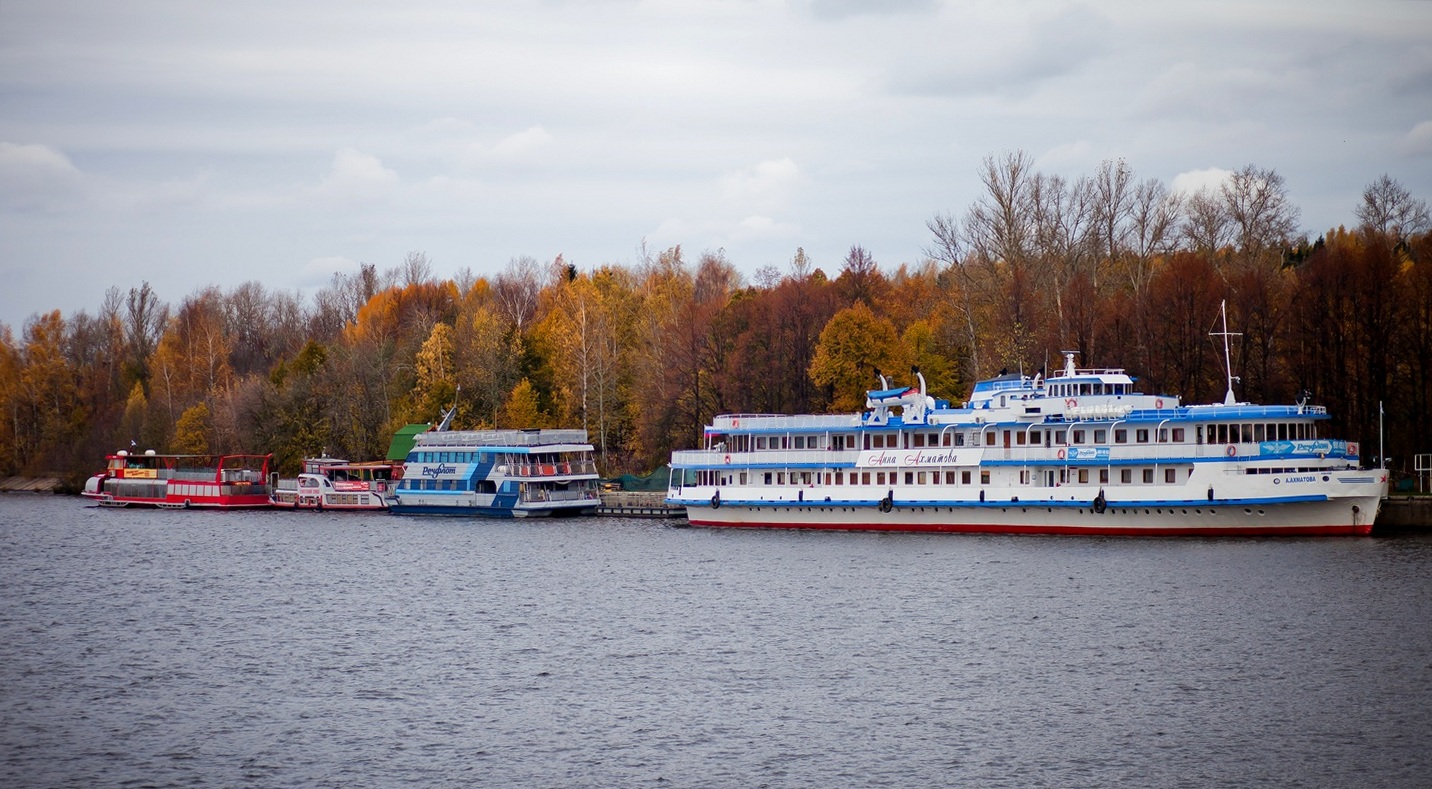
639, 504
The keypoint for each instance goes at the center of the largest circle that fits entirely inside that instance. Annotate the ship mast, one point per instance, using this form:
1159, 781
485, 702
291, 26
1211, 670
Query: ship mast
1228, 399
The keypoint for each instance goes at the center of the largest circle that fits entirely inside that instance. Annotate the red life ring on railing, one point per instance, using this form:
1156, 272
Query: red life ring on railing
1071, 403
735, 423
1232, 451
1158, 403
1352, 449
1061, 454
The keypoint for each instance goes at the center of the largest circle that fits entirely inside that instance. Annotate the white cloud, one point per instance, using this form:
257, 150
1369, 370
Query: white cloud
763, 227
1418, 142
520, 147
768, 185
357, 176
319, 271
522, 143
37, 176
1195, 181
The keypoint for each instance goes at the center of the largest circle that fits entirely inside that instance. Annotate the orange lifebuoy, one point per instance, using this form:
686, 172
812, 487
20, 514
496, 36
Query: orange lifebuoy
1352, 449
1158, 403
1061, 454
1232, 450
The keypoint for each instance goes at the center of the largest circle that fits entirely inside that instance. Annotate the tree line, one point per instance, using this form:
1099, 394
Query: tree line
1126, 272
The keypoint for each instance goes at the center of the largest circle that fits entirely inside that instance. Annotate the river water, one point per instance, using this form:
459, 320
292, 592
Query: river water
144, 648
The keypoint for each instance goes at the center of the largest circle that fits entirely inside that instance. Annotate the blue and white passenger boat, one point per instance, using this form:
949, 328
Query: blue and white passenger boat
502, 473
1081, 452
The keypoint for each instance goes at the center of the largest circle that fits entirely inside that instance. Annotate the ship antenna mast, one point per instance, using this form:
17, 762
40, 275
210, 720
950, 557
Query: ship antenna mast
1228, 399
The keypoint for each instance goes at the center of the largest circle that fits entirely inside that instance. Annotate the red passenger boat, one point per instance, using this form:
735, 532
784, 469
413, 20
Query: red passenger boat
181, 481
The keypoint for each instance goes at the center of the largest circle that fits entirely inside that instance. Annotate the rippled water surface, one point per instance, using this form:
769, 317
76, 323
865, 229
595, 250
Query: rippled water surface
301, 649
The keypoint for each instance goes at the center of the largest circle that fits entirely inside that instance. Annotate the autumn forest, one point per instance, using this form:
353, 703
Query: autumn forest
1124, 271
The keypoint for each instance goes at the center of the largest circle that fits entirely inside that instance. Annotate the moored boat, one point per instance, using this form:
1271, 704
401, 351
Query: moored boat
181, 481
1079, 453
333, 484
504, 473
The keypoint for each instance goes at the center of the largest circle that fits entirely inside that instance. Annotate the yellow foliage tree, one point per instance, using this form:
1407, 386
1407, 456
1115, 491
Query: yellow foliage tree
191, 432
436, 384
521, 411
854, 344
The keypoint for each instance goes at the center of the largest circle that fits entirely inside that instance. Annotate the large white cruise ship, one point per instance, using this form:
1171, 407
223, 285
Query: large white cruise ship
1078, 453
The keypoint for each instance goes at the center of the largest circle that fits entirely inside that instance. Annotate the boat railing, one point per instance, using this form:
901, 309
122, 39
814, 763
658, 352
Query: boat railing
547, 494
763, 458
777, 422
549, 469
500, 438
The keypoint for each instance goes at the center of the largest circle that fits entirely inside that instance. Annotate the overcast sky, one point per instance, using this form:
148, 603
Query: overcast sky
193, 143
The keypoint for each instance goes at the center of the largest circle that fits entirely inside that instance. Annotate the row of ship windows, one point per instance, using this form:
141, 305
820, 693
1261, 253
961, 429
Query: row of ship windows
546, 458
480, 486
801, 479
1230, 433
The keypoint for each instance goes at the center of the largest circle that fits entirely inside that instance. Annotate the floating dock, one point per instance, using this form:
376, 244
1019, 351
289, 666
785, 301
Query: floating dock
638, 504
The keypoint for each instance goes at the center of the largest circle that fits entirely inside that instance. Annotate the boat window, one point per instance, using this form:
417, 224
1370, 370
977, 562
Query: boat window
1103, 476
1059, 436
1178, 435
780, 477
1083, 476
949, 477
1163, 435
800, 442
1101, 436
840, 477
865, 477
1148, 476
1142, 435
1282, 431
1019, 437
919, 439
1170, 475
1078, 437
964, 477
1126, 475
879, 478
1121, 436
